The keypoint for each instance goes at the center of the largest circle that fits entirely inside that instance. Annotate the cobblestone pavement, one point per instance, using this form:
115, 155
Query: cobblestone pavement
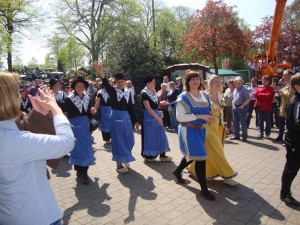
148, 194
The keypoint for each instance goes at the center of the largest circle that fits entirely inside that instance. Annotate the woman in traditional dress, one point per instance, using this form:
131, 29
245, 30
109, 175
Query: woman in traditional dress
192, 112
79, 110
122, 121
59, 95
154, 138
216, 164
103, 105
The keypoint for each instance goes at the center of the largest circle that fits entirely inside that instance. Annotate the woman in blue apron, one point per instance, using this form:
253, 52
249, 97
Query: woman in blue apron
79, 109
122, 120
192, 113
154, 139
103, 104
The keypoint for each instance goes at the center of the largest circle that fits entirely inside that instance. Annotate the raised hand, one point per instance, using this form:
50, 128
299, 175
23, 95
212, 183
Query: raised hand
99, 70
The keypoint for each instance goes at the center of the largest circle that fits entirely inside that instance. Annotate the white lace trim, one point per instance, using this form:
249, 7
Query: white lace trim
151, 95
59, 96
79, 103
104, 94
122, 93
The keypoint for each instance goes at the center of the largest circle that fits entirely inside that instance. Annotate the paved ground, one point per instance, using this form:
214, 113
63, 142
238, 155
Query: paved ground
148, 194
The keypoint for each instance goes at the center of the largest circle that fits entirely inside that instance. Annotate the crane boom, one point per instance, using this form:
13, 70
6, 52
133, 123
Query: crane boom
276, 27
269, 62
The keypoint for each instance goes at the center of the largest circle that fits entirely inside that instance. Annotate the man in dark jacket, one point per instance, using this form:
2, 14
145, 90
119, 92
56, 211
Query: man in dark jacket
292, 144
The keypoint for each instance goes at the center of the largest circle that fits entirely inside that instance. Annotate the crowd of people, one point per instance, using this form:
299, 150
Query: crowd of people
197, 110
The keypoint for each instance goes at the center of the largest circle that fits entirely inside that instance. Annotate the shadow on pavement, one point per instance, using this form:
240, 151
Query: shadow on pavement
138, 186
262, 145
90, 197
63, 169
240, 203
163, 168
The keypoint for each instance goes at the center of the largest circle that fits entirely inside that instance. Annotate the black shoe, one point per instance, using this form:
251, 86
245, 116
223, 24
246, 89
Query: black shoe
278, 139
234, 138
179, 178
289, 200
207, 195
86, 179
244, 140
79, 175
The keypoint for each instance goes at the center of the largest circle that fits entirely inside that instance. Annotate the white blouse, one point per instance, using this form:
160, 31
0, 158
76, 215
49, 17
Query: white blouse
25, 194
181, 114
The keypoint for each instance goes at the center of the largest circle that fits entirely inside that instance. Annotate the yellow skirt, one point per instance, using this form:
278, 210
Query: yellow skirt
216, 164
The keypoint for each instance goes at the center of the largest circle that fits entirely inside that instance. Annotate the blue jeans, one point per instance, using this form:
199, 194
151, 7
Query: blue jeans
239, 117
264, 116
275, 113
58, 222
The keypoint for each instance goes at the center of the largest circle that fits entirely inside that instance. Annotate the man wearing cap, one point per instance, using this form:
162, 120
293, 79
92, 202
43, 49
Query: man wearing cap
122, 119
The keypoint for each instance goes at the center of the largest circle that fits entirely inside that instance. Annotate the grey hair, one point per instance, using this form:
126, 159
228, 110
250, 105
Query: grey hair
239, 79
163, 85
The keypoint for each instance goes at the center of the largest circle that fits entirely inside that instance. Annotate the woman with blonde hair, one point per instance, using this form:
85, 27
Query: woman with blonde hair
216, 164
25, 193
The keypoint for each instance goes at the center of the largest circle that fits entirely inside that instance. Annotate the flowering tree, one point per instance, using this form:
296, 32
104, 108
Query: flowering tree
215, 33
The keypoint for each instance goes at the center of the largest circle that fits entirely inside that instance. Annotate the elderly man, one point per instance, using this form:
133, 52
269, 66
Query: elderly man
241, 99
285, 95
162, 95
179, 84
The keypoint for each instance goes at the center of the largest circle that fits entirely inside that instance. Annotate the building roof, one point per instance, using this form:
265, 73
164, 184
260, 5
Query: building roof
224, 72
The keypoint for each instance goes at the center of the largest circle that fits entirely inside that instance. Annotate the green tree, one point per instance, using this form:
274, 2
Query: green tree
214, 33
18, 64
32, 62
55, 43
71, 54
92, 22
15, 15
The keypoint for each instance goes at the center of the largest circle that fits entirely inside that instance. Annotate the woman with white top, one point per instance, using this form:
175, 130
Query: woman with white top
192, 112
25, 194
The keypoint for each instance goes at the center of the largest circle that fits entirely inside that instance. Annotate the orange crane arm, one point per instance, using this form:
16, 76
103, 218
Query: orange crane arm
275, 34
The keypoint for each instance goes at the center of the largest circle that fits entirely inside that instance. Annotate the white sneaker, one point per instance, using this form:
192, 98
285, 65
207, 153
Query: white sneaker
149, 160
122, 170
108, 142
230, 182
126, 165
166, 158
267, 136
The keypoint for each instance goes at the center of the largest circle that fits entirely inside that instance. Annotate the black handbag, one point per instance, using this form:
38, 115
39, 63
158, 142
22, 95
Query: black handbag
93, 124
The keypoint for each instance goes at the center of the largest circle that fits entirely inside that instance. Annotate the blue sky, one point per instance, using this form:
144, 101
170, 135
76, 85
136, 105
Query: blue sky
252, 11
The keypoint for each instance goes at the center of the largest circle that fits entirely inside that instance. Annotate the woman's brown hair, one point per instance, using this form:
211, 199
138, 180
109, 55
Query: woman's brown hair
188, 77
9, 92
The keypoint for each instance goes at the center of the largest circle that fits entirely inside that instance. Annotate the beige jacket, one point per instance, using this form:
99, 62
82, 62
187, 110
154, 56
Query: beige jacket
286, 94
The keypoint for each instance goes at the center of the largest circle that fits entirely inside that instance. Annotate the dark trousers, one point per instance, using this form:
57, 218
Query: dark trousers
83, 170
281, 126
166, 119
228, 117
200, 170
249, 113
274, 115
264, 116
290, 171
105, 136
